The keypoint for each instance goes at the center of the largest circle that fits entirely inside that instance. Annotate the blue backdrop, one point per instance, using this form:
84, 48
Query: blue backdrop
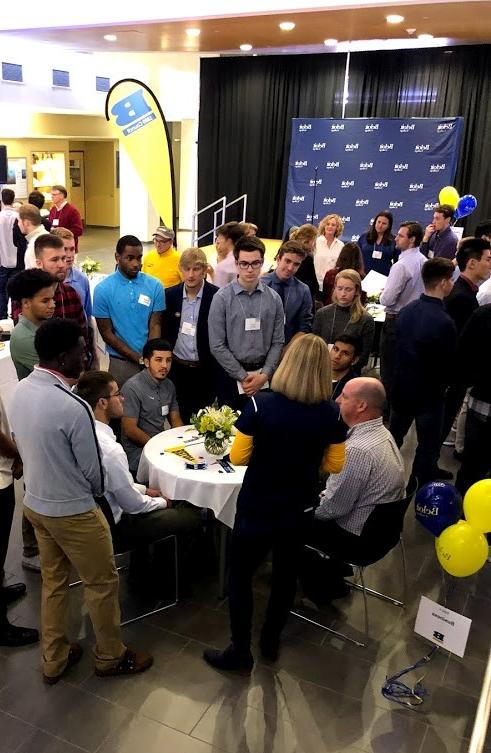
356, 167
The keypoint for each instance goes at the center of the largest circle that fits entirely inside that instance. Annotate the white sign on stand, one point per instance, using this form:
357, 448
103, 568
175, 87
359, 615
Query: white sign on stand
442, 626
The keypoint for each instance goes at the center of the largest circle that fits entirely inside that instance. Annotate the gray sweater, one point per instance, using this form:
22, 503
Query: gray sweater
55, 433
333, 320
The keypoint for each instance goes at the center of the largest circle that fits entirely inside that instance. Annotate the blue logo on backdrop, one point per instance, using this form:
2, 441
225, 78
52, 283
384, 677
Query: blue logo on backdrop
388, 163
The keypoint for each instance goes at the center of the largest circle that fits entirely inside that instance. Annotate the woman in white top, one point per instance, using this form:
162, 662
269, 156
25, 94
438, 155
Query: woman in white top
328, 245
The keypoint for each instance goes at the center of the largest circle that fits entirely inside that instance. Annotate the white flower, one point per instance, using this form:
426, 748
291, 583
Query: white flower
220, 435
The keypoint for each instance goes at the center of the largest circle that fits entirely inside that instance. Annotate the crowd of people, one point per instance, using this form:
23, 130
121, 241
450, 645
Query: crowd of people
288, 346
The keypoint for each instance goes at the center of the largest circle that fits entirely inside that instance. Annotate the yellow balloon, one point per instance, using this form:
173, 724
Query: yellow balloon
449, 195
461, 550
477, 505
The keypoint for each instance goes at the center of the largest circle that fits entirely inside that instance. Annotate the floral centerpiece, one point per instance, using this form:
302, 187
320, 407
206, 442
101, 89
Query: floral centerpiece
216, 425
89, 266
374, 298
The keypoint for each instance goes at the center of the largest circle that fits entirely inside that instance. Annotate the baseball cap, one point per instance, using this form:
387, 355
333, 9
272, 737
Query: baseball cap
165, 232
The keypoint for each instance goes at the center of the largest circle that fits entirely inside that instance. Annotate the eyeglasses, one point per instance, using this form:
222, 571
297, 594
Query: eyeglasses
162, 240
250, 264
115, 394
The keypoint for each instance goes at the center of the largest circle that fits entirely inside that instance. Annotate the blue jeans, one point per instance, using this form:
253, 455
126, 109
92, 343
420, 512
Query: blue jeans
5, 274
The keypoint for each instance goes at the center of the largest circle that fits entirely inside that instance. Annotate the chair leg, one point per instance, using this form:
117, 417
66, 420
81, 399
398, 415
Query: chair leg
167, 606
404, 571
330, 630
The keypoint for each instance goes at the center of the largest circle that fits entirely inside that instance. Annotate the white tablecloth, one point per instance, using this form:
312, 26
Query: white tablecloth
8, 377
209, 488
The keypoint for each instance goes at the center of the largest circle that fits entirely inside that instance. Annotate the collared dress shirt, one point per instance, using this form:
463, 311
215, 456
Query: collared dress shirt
129, 305
325, 257
297, 304
404, 283
186, 347
80, 282
122, 493
373, 474
442, 244
231, 344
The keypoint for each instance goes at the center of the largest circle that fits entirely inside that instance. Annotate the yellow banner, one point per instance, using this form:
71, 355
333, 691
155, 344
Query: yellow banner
139, 123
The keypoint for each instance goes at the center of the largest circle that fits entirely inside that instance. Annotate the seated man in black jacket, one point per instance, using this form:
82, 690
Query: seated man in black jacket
185, 326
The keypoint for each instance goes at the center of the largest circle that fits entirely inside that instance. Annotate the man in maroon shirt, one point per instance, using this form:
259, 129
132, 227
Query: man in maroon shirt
63, 214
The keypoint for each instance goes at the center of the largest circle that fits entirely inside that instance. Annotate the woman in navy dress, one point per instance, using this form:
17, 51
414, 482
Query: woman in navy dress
378, 246
285, 436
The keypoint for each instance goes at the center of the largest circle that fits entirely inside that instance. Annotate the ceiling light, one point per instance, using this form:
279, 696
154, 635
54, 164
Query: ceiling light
110, 37
330, 42
193, 32
394, 18
425, 37
246, 47
287, 25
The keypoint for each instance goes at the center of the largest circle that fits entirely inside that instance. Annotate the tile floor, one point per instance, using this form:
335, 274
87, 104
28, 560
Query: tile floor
322, 696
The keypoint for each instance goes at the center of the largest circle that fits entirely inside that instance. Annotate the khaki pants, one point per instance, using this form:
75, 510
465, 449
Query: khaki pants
83, 541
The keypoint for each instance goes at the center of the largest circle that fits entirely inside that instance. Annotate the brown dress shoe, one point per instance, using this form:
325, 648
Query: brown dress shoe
131, 663
74, 656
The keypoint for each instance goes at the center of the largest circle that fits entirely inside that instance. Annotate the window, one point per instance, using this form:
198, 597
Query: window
12, 72
102, 84
61, 78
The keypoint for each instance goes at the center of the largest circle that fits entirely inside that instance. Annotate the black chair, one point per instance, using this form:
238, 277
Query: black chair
388, 519
106, 509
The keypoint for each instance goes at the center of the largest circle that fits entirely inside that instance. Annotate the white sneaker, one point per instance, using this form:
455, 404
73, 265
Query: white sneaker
32, 563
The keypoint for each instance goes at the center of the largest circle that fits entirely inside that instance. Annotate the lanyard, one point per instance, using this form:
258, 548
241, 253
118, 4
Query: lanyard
243, 310
334, 322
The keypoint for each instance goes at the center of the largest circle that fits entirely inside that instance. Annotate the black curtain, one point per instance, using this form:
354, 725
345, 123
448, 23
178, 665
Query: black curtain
247, 105
433, 83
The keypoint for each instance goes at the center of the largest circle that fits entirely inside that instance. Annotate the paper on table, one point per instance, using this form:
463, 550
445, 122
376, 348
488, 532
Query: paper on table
373, 283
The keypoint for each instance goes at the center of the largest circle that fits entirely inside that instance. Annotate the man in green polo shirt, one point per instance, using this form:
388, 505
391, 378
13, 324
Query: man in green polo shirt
34, 290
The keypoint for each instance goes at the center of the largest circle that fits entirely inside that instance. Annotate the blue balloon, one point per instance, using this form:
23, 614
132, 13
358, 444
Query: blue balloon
466, 206
437, 506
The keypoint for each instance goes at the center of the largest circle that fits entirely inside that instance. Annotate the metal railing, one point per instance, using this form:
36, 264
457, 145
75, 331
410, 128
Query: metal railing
482, 714
218, 217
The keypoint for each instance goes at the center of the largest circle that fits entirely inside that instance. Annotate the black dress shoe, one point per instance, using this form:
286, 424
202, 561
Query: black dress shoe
230, 660
13, 592
14, 635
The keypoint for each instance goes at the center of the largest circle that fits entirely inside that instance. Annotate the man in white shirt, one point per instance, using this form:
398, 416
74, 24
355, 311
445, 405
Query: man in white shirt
31, 225
142, 516
8, 250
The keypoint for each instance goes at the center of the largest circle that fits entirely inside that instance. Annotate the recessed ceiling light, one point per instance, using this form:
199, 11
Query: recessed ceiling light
246, 47
330, 42
110, 37
394, 18
287, 25
193, 32
425, 37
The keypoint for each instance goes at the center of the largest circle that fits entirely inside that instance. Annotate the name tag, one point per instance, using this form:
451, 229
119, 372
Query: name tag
55, 223
252, 324
188, 329
144, 299
431, 254
165, 410
377, 254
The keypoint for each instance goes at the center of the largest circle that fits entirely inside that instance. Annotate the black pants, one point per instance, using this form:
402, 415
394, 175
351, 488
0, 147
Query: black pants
428, 430
7, 505
318, 575
388, 355
476, 462
194, 388
249, 548
454, 398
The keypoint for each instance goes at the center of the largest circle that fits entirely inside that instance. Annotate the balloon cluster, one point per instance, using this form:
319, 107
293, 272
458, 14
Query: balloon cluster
463, 205
461, 546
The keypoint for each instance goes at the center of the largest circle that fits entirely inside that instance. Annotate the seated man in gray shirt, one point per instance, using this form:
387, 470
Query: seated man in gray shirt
245, 327
372, 475
149, 399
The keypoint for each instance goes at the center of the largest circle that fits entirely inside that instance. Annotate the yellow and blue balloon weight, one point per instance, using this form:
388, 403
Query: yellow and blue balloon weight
477, 505
461, 550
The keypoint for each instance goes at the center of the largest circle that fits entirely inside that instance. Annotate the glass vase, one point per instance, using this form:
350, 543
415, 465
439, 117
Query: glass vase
216, 447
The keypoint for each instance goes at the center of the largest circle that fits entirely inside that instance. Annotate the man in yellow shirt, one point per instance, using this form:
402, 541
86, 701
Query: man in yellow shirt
163, 262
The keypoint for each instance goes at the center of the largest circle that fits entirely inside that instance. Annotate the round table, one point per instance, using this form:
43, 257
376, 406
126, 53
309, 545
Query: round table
212, 488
